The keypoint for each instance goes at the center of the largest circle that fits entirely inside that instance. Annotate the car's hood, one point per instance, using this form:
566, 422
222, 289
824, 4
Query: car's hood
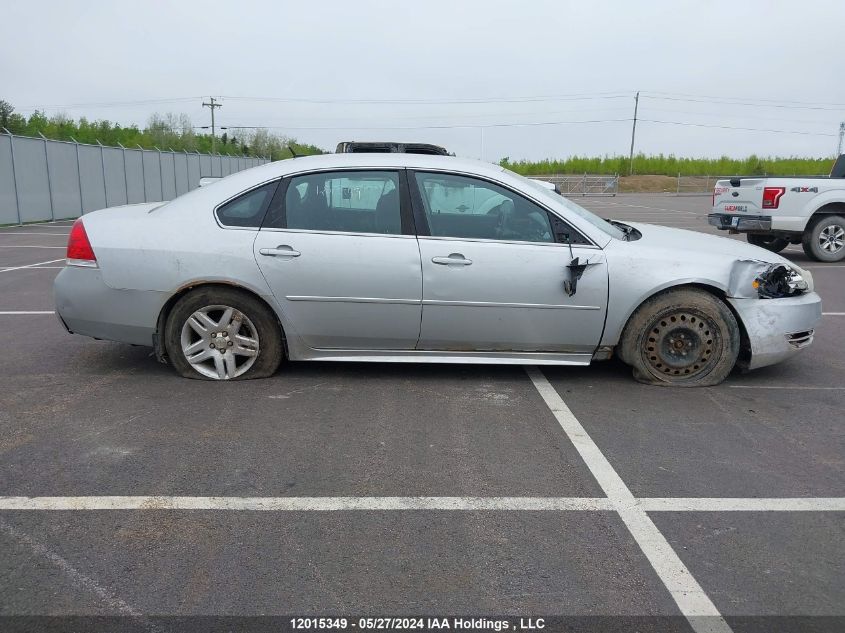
689, 242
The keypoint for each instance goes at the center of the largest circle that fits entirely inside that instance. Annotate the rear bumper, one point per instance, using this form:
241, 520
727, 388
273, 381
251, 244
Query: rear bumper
726, 221
778, 328
87, 306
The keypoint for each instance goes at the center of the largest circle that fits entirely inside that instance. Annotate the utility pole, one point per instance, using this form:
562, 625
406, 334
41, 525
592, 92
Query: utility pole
841, 137
633, 134
212, 105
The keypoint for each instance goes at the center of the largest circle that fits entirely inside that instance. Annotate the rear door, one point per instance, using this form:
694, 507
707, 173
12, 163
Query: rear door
494, 271
341, 259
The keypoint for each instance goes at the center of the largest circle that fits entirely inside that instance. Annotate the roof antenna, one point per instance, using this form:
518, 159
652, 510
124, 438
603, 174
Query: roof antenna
292, 153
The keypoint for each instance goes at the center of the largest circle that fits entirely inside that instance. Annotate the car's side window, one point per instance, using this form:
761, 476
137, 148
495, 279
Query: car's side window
347, 201
247, 210
464, 207
566, 234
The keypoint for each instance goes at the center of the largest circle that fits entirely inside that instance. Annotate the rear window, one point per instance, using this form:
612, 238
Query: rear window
247, 210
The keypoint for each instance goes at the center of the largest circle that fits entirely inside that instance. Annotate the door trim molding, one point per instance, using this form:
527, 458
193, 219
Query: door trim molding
494, 304
438, 302
352, 299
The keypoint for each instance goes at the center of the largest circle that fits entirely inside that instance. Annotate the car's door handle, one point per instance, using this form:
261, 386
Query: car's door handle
454, 259
283, 250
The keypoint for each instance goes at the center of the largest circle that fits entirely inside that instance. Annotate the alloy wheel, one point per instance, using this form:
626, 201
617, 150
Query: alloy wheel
219, 342
832, 238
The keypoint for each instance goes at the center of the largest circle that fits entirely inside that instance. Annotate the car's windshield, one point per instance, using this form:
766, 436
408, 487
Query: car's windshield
589, 216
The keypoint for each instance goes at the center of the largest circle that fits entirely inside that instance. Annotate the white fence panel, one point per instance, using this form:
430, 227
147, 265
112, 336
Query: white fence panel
42, 180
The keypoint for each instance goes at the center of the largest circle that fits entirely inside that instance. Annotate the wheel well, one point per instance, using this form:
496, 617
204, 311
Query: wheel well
158, 339
744, 341
833, 208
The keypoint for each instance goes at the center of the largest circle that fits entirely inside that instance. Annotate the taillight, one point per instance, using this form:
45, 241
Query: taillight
771, 197
79, 251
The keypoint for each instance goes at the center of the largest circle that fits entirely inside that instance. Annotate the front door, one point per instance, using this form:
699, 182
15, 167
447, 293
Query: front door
494, 272
342, 260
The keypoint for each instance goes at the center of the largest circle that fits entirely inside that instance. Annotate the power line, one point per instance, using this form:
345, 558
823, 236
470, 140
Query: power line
723, 97
461, 116
427, 127
728, 127
475, 101
749, 115
658, 95
745, 103
109, 104
527, 124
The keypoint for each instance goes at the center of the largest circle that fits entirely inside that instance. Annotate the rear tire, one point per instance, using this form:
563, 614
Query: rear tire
683, 338
824, 239
222, 334
769, 242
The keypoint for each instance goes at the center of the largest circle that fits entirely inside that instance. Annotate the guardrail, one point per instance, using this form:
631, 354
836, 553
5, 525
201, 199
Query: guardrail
583, 185
43, 180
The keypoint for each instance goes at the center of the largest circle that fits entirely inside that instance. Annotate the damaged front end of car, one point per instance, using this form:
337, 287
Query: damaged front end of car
752, 279
778, 308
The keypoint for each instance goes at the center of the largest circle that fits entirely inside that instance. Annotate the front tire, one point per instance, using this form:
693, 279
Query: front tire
683, 337
769, 242
824, 240
222, 334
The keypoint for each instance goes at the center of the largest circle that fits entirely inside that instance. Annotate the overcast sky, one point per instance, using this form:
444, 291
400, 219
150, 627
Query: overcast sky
300, 66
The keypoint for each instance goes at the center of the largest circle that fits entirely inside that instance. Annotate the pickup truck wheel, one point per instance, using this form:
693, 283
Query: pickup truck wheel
222, 334
683, 338
769, 242
824, 240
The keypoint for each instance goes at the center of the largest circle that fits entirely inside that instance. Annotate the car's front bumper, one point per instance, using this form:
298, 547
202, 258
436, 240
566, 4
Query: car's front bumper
778, 328
86, 305
740, 223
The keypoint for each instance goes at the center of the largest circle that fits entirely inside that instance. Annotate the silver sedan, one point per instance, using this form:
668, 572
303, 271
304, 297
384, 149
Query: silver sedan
409, 258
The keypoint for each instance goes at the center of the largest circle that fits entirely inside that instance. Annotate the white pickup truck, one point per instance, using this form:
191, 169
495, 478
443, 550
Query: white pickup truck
777, 211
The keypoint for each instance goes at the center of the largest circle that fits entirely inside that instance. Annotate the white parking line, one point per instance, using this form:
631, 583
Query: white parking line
24, 312
80, 579
833, 313
308, 504
786, 387
29, 246
702, 504
34, 233
642, 206
691, 599
2, 270
51, 261
469, 504
34, 225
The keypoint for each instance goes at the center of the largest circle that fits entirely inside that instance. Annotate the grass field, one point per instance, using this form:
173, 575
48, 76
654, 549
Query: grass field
661, 165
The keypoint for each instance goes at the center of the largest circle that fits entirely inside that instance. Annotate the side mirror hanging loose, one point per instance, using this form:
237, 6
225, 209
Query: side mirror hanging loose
576, 269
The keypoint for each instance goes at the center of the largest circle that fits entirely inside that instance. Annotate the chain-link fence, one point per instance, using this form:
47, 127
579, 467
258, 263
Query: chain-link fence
583, 184
42, 180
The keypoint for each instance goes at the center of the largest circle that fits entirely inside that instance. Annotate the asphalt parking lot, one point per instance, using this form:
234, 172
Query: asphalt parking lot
378, 490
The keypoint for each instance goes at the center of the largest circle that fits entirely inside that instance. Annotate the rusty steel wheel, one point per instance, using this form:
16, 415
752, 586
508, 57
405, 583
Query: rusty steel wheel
684, 337
680, 344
